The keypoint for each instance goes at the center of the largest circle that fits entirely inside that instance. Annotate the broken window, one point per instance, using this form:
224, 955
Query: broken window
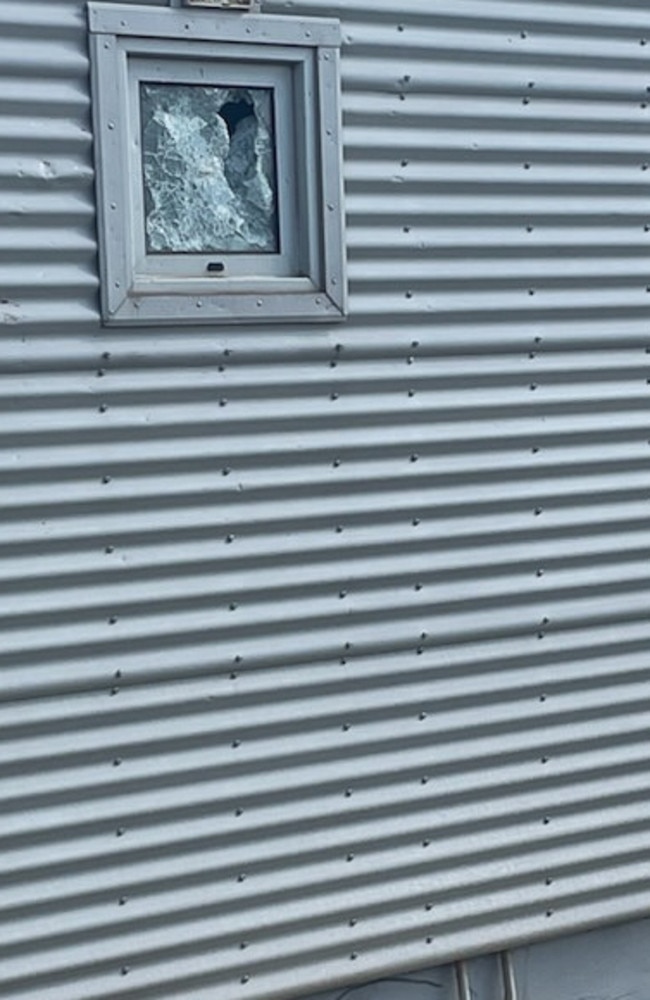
218, 160
209, 169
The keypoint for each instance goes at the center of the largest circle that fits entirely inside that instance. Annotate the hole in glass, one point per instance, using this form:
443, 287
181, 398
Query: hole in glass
209, 169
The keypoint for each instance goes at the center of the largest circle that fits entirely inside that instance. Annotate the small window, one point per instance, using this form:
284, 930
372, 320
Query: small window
218, 163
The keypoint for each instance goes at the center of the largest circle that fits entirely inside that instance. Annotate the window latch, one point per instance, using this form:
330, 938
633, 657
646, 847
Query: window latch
252, 6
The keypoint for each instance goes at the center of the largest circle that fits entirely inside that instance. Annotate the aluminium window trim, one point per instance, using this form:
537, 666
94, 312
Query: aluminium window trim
123, 40
281, 263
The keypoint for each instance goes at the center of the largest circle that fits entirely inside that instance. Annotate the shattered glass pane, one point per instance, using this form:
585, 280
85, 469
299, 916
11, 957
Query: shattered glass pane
209, 169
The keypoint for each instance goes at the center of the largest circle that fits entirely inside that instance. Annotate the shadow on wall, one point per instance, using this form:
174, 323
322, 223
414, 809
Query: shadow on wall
610, 963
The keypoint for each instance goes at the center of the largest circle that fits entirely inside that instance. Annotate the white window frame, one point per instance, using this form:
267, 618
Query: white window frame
298, 59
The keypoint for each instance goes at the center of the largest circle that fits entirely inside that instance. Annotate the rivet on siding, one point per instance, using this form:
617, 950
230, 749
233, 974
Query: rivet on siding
348, 793
531, 291
239, 812
233, 676
542, 697
534, 450
426, 843
225, 471
106, 480
241, 877
419, 651
352, 922
336, 463
345, 727
349, 857
539, 572
199, 304
429, 940
100, 373
333, 364
232, 606
120, 831
406, 229
111, 126
243, 945
124, 971
122, 901
342, 594
422, 716
338, 529
334, 396
404, 163
548, 881
644, 166
114, 691
526, 100
408, 295
112, 620
102, 407
244, 980
109, 549
410, 359
643, 41
117, 761
353, 956
235, 744
523, 34
543, 760
415, 522
540, 635
549, 913
545, 620
348, 646
411, 393
414, 457
532, 386
259, 303
424, 780
545, 821
428, 906
417, 586
400, 27
526, 166
223, 402
230, 539
424, 635
530, 229
538, 511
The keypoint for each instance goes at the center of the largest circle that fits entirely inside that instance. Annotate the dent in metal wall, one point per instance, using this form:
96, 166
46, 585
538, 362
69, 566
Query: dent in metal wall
325, 650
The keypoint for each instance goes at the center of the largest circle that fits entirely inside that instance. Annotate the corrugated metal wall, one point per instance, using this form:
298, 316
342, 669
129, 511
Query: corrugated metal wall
325, 650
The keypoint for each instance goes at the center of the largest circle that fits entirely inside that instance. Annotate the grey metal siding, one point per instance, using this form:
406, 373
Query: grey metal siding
325, 649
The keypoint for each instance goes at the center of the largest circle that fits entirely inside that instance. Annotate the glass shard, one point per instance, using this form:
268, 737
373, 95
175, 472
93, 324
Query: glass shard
209, 169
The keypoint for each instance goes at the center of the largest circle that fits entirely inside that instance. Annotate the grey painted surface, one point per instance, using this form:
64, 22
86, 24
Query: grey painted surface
327, 642
604, 964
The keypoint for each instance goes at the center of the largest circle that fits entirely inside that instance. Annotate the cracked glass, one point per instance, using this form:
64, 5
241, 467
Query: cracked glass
209, 169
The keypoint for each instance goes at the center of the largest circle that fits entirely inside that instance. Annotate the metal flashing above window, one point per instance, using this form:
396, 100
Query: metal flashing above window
218, 162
